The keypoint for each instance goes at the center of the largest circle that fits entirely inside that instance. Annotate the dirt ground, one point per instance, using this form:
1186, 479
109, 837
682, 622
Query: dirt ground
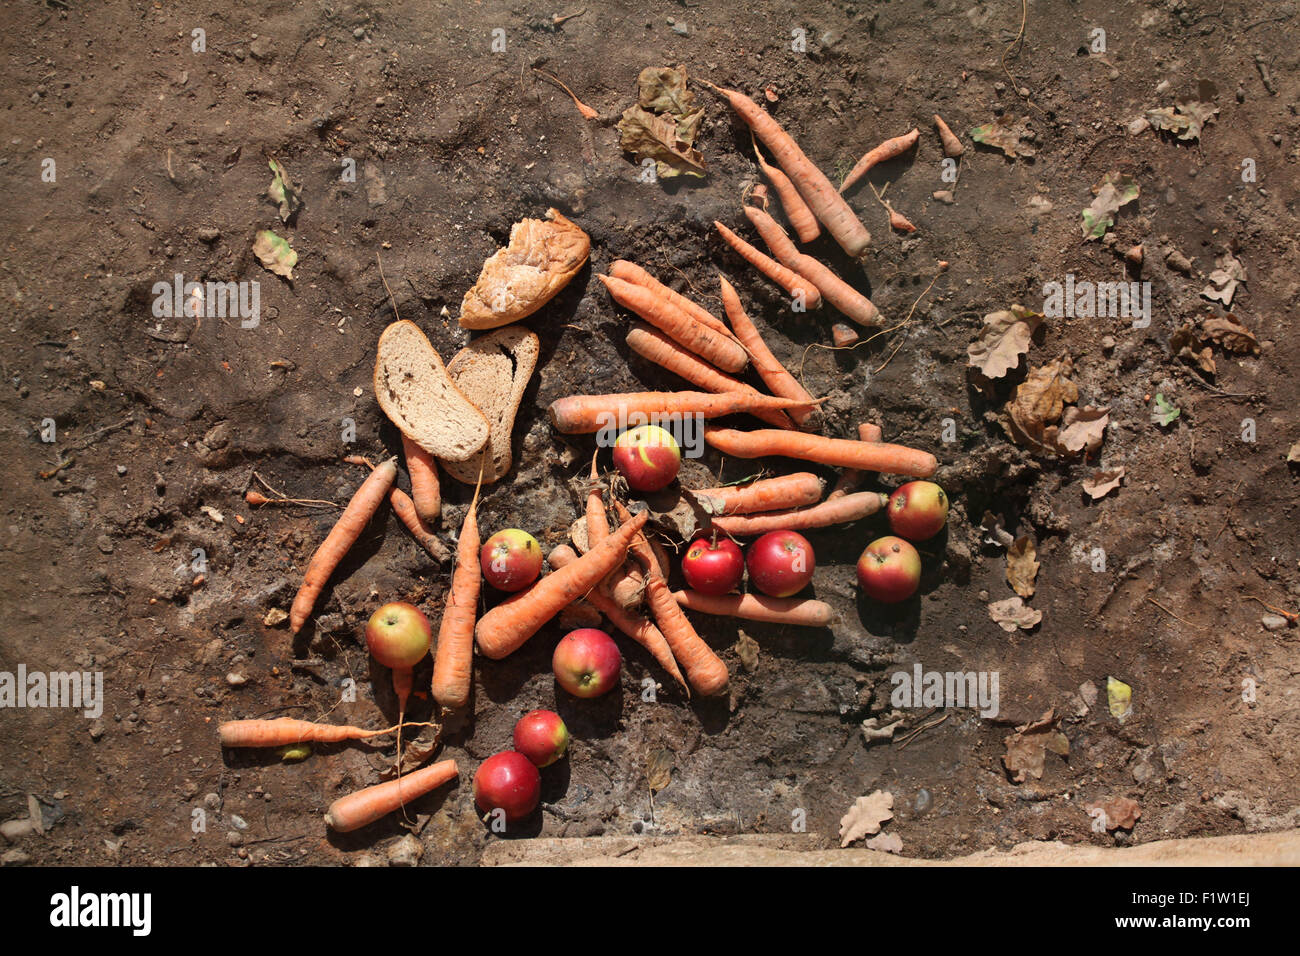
160, 424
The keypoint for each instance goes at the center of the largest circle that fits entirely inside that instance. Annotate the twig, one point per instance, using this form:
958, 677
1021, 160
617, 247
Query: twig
1020, 35
56, 469
1172, 614
920, 730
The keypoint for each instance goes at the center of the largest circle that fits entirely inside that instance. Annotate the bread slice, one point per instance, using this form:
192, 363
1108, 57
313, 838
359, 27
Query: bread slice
521, 278
493, 373
418, 395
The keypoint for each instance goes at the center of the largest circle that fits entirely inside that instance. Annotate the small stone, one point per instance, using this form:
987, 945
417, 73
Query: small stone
680, 28
238, 822
261, 48
104, 543
1108, 343
1273, 622
15, 858
236, 680
1139, 125
1178, 262
211, 801
121, 469
209, 234
944, 196
843, 335
405, 852
97, 729
234, 839
1277, 139
359, 33
14, 830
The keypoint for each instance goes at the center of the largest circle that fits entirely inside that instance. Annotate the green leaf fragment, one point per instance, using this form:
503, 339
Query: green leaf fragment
282, 192
1163, 412
1119, 696
1114, 190
275, 253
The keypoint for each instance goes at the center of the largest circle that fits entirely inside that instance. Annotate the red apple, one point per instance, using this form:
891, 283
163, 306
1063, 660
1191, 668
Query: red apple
586, 662
507, 781
781, 563
713, 567
511, 560
648, 457
398, 635
889, 570
918, 510
540, 735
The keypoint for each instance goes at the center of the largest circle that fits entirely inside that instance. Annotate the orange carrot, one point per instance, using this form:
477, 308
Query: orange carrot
653, 345
364, 807
704, 669
424, 481
898, 221
766, 494
286, 730
793, 283
624, 584
804, 612
506, 627
851, 477
796, 210
633, 273
822, 198
887, 150
597, 519
839, 510
836, 452
869, 432
952, 146
722, 350
632, 624
769, 369
453, 663
342, 536
833, 289
404, 508
583, 414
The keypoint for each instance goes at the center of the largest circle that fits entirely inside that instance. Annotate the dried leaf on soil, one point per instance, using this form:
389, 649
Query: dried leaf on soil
1120, 813
885, 843
1006, 134
274, 616
1163, 412
1014, 614
275, 253
1228, 332
1022, 566
865, 816
1083, 429
1114, 190
1225, 279
882, 728
747, 651
1038, 403
1100, 483
1188, 345
1119, 697
1293, 454
663, 124
662, 89
1005, 337
282, 191
1027, 747
659, 769
1186, 120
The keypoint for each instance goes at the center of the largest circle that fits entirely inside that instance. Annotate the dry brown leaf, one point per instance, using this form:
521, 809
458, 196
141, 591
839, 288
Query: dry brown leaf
1005, 337
415, 753
1121, 813
1084, 428
1022, 566
1038, 403
1228, 332
1098, 484
885, 843
865, 816
1225, 279
274, 616
1014, 614
1005, 133
1186, 343
647, 136
747, 651
1027, 747
1293, 454
659, 769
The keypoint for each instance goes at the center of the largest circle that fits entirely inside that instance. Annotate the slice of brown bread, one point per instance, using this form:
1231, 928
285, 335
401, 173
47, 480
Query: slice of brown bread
493, 373
418, 395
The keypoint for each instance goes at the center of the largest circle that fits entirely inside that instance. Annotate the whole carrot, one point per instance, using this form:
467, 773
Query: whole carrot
631, 272
836, 452
364, 807
653, 345
582, 414
769, 369
453, 662
822, 198
342, 536
804, 612
425, 491
793, 283
286, 730
834, 290
885, 151
839, 510
766, 494
722, 350
796, 210
952, 146
506, 627
634, 625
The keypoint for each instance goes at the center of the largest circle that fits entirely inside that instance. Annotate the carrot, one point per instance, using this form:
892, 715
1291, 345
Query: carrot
722, 350
506, 627
769, 369
424, 481
786, 278
952, 146
833, 289
364, 807
836, 452
869, 432
851, 477
887, 150
597, 519
453, 663
804, 612
839, 510
704, 669
827, 204
623, 584
632, 624
582, 414
342, 536
633, 273
766, 494
796, 210
653, 345
286, 730
404, 508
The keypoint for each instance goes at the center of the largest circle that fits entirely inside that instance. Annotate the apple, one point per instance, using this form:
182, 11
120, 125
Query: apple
713, 567
781, 563
648, 457
511, 560
586, 662
889, 570
398, 635
510, 782
540, 735
918, 510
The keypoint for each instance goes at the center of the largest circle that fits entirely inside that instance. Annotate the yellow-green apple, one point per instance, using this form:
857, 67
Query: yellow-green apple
781, 563
507, 781
398, 635
540, 735
587, 662
511, 560
648, 457
918, 510
889, 570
